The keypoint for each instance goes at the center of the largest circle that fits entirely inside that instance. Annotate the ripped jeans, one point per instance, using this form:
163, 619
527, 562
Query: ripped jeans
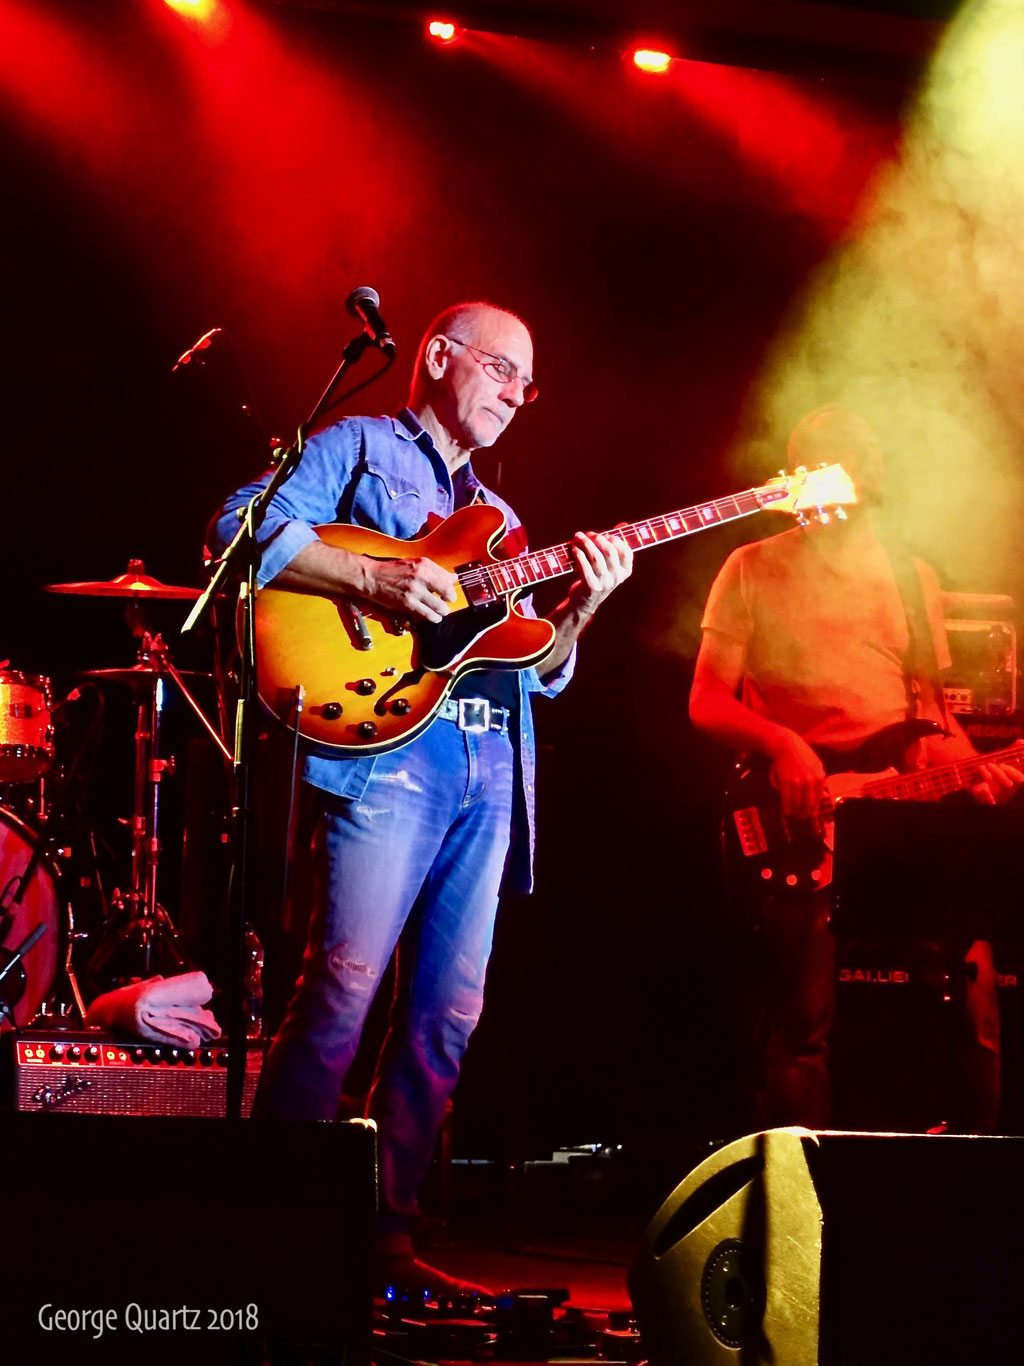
424, 844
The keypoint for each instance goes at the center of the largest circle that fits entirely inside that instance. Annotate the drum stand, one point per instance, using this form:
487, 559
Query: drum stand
139, 939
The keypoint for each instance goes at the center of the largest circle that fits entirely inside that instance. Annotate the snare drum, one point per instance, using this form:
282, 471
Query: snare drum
40, 905
26, 732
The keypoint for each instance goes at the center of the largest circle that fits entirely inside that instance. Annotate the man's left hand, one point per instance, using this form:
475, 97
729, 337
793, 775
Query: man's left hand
603, 562
996, 784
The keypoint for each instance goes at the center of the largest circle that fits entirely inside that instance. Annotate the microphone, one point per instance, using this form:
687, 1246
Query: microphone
193, 351
362, 304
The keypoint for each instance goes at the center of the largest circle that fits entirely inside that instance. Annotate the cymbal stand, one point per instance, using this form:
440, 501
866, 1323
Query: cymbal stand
145, 926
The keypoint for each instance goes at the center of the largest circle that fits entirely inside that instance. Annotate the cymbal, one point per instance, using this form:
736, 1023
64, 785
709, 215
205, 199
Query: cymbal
138, 675
133, 584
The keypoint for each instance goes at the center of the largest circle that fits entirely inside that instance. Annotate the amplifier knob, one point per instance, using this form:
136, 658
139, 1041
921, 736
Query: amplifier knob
74, 1053
188, 1057
222, 1059
138, 1055
173, 1056
92, 1053
157, 1055
206, 1057
57, 1052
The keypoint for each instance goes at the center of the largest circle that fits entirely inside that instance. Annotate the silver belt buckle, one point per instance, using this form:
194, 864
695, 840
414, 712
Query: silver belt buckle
474, 714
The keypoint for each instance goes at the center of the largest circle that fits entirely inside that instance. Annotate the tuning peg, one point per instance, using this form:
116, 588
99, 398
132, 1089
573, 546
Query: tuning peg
822, 516
801, 519
822, 465
840, 514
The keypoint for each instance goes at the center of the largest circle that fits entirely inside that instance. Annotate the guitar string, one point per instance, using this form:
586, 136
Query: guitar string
945, 778
531, 560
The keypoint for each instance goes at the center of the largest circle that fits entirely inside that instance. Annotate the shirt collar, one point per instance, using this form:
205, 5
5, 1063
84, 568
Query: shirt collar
409, 428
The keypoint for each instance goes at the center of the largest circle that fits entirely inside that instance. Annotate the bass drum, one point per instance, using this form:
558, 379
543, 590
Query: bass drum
27, 985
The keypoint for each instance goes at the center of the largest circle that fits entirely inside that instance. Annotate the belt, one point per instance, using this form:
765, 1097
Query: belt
474, 714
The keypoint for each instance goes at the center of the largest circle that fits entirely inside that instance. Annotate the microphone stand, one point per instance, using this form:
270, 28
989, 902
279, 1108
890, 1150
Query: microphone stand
241, 559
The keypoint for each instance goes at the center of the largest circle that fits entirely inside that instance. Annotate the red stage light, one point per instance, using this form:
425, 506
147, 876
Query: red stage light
656, 63
442, 30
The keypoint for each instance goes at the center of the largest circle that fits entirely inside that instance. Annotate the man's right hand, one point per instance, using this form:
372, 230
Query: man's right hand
415, 588
798, 775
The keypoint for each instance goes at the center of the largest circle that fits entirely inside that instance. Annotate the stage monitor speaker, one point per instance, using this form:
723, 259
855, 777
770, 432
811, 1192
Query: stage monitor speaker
171, 1239
796, 1248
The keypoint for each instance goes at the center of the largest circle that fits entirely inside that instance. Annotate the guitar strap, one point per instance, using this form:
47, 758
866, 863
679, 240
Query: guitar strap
922, 679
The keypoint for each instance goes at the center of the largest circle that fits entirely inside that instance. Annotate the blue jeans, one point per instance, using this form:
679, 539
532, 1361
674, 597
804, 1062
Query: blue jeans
423, 848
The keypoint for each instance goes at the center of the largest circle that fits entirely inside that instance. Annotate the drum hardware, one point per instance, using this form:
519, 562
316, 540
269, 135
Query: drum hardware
26, 728
31, 902
11, 991
139, 937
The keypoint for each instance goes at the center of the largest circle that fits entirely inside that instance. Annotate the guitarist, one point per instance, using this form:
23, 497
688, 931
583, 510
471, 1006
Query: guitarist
808, 641
420, 834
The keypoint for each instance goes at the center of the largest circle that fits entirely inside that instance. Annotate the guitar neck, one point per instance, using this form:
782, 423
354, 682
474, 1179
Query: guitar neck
929, 784
508, 576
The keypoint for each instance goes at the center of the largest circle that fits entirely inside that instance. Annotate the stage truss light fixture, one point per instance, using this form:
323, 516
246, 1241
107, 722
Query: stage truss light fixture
650, 60
442, 30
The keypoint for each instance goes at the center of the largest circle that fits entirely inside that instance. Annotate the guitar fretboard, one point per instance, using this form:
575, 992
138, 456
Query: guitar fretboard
507, 576
930, 784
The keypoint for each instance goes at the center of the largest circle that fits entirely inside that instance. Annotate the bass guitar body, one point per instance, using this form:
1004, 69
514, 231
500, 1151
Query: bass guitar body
372, 680
767, 852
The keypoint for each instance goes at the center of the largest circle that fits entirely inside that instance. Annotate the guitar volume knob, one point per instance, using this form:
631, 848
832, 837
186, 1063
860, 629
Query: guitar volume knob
401, 707
365, 687
366, 730
331, 711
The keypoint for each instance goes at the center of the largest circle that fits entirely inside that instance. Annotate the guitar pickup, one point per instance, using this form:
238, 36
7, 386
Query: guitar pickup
750, 831
479, 591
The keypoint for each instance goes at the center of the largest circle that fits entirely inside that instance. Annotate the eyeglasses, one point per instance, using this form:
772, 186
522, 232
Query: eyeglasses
499, 369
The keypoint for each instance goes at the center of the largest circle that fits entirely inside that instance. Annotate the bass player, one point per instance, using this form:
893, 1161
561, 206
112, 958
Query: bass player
819, 637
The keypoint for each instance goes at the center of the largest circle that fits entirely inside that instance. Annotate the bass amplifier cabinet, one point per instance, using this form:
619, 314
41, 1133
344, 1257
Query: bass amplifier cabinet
800, 1248
88, 1072
170, 1240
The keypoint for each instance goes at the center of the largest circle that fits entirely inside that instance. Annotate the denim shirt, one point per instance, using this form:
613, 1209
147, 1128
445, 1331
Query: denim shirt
386, 473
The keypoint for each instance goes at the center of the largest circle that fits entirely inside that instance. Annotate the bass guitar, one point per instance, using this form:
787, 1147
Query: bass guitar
787, 855
371, 680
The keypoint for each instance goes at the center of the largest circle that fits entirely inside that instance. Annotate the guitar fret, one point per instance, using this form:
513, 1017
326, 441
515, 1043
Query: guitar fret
531, 568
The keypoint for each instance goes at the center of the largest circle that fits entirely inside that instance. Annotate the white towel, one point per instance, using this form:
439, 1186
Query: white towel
160, 1009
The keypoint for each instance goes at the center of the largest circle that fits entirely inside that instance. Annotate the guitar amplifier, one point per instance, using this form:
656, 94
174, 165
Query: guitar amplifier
983, 649
89, 1072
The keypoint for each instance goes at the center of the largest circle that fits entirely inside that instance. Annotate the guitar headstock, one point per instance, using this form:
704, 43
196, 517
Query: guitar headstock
817, 494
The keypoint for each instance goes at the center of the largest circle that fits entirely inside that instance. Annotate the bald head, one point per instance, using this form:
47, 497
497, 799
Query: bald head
454, 382
462, 321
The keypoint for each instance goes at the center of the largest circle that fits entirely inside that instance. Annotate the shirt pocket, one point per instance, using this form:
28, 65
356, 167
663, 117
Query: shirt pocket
388, 499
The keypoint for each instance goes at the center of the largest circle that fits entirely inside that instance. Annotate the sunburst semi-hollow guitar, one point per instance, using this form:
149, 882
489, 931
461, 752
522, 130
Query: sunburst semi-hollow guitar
793, 855
372, 680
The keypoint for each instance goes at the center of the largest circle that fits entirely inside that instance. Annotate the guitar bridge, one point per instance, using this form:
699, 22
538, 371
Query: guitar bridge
750, 831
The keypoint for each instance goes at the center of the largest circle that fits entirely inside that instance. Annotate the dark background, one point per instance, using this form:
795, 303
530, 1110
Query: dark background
165, 176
